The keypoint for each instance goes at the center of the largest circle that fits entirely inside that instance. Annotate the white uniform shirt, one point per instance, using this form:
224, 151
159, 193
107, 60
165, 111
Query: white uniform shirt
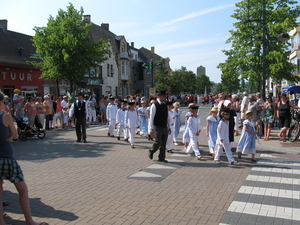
121, 116
131, 119
111, 111
194, 124
222, 132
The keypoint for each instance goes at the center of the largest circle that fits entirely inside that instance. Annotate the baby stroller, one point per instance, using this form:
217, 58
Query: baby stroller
28, 131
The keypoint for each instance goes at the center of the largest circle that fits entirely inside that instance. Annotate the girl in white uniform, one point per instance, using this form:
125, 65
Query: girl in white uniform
172, 127
223, 138
194, 128
121, 120
131, 122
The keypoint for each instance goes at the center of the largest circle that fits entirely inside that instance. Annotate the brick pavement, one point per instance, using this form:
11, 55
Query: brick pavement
72, 183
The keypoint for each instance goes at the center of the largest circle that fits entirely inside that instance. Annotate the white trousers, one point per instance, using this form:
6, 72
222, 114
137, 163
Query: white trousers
92, 115
111, 126
193, 145
55, 116
219, 151
236, 121
120, 129
170, 139
131, 135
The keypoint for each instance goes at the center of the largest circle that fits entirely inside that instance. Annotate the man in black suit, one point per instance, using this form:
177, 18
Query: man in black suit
159, 126
79, 109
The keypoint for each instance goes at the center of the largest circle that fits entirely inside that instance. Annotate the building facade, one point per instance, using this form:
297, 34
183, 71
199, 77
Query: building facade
15, 71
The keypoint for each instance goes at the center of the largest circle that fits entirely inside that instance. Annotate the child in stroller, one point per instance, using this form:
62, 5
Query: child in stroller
28, 131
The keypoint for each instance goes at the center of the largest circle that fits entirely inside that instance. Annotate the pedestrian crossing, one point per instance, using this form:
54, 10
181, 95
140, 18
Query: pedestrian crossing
269, 195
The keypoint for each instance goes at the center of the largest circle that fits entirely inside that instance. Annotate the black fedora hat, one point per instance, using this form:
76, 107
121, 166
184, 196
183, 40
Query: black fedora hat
161, 92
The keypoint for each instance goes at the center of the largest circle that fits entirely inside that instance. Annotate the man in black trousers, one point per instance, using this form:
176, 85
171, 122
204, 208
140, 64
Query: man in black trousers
159, 126
79, 109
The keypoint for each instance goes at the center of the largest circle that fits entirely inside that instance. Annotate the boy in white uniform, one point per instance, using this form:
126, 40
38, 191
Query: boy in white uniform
194, 128
111, 113
171, 118
121, 120
131, 122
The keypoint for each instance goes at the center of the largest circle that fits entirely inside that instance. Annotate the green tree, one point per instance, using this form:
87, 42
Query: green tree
202, 82
258, 22
183, 80
162, 76
64, 49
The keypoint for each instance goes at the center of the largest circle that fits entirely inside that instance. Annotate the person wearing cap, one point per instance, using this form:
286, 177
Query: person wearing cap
17, 96
91, 104
223, 138
80, 112
194, 128
159, 126
177, 113
131, 122
143, 119
19, 109
120, 121
246, 143
171, 117
111, 113
211, 129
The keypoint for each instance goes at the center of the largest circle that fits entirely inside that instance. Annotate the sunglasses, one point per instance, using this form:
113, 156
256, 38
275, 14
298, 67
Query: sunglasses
226, 114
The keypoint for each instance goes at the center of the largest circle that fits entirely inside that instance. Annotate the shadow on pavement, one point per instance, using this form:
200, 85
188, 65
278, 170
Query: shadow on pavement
39, 209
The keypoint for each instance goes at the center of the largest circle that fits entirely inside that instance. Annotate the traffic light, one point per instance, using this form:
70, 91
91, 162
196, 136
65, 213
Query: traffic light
147, 66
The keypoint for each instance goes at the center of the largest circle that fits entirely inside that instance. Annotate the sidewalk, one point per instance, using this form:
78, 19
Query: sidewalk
106, 182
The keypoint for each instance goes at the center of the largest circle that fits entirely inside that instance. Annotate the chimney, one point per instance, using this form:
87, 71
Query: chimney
152, 50
132, 44
105, 26
3, 25
87, 18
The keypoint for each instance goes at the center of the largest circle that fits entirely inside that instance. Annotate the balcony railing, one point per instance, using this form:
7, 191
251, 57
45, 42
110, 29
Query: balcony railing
124, 77
124, 55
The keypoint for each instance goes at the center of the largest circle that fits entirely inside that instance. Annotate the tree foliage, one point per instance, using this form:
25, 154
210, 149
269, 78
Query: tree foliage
258, 21
64, 49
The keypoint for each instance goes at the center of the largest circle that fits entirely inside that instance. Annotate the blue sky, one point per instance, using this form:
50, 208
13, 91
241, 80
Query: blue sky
191, 33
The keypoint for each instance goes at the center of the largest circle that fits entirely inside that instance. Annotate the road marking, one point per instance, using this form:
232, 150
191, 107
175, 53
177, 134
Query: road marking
276, 198
144, 174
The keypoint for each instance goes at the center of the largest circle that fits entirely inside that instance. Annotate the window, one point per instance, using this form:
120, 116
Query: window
112, 70
108, 70
123, 68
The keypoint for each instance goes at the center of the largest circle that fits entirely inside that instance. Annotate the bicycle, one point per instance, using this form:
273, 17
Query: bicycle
294, 131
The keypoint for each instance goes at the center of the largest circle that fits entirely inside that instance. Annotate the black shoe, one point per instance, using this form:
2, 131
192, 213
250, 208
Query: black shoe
126, 140
112, 136
78, 140
170, 151
118, 138
108, 134
5, 203
84, 141
162, 160
149, 137
150, 154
